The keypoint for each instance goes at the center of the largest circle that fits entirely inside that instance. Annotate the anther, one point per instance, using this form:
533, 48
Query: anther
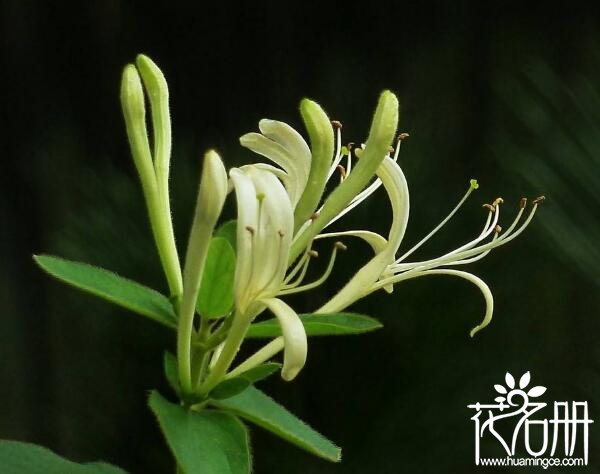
522, 203
489, 207
281, 233
314, 216
342, 171
313, 253
349, 146
336, 124
403, 136
497, 201
498, 229
340, 246
391, 150
250, 229
539, 200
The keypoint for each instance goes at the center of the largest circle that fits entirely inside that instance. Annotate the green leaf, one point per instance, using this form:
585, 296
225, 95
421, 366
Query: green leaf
228, 231
261, 371
205, 442
228, 388
25, 458
215, 298
257, 407
334, 324
171, 371
112, 287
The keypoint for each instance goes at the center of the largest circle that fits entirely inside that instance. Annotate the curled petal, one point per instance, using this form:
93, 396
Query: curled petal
294, 338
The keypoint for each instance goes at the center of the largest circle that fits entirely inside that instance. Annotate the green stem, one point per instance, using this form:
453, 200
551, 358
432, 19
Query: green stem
238, 330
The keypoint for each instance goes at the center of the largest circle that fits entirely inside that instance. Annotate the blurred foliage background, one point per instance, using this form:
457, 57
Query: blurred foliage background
504, 92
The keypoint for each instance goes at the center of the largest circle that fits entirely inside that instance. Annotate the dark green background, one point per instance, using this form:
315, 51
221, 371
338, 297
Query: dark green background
500, 91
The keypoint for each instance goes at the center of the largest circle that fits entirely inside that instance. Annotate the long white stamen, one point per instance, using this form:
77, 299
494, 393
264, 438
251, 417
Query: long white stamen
472, 187
449, 258
349, 160
300, 278
299, 264
338, 152
321, 280
488, 229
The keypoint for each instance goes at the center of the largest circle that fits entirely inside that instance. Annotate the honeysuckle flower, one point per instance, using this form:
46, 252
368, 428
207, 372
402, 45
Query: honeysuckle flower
287, 149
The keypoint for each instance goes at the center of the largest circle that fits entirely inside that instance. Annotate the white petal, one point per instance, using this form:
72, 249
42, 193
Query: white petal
395, 185
510, 380
247, 205
294, 338
274, 234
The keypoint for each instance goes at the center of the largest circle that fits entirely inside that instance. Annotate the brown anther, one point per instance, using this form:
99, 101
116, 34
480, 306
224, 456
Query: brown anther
497, 201
403, 136
314, 216
340, 246
350, 146
498, 229
336, 124
313, 253
391, 150
522, 203
250, 229
539, 200
489, 207
342, 170
281, 233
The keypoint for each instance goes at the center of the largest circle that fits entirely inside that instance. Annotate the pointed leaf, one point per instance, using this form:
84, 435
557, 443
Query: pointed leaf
255, 406
228, 388
112, 287
261, 371
171, 371
205, 442
500, 389
536, 391
334, 324
499, 399
525, 379
17, 457
510, 380
228, 231
215, 298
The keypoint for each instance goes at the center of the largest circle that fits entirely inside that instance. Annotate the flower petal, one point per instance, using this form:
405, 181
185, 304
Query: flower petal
395, 185
294, 338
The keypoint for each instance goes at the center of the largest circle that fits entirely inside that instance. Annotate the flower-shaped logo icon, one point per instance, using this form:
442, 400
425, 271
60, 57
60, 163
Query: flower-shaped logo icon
510, 388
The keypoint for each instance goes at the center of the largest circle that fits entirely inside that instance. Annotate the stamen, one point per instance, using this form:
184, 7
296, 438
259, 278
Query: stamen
314, 216
250, 229
338, 150
539, 200
309, 254
523, 203
336, 124
489, 207
402, 136
349, 160
460, 254
441, 224
288, 291
486, 232
342, 171
297, 267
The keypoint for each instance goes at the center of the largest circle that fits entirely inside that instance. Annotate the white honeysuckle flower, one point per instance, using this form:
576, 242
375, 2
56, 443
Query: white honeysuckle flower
386, 268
